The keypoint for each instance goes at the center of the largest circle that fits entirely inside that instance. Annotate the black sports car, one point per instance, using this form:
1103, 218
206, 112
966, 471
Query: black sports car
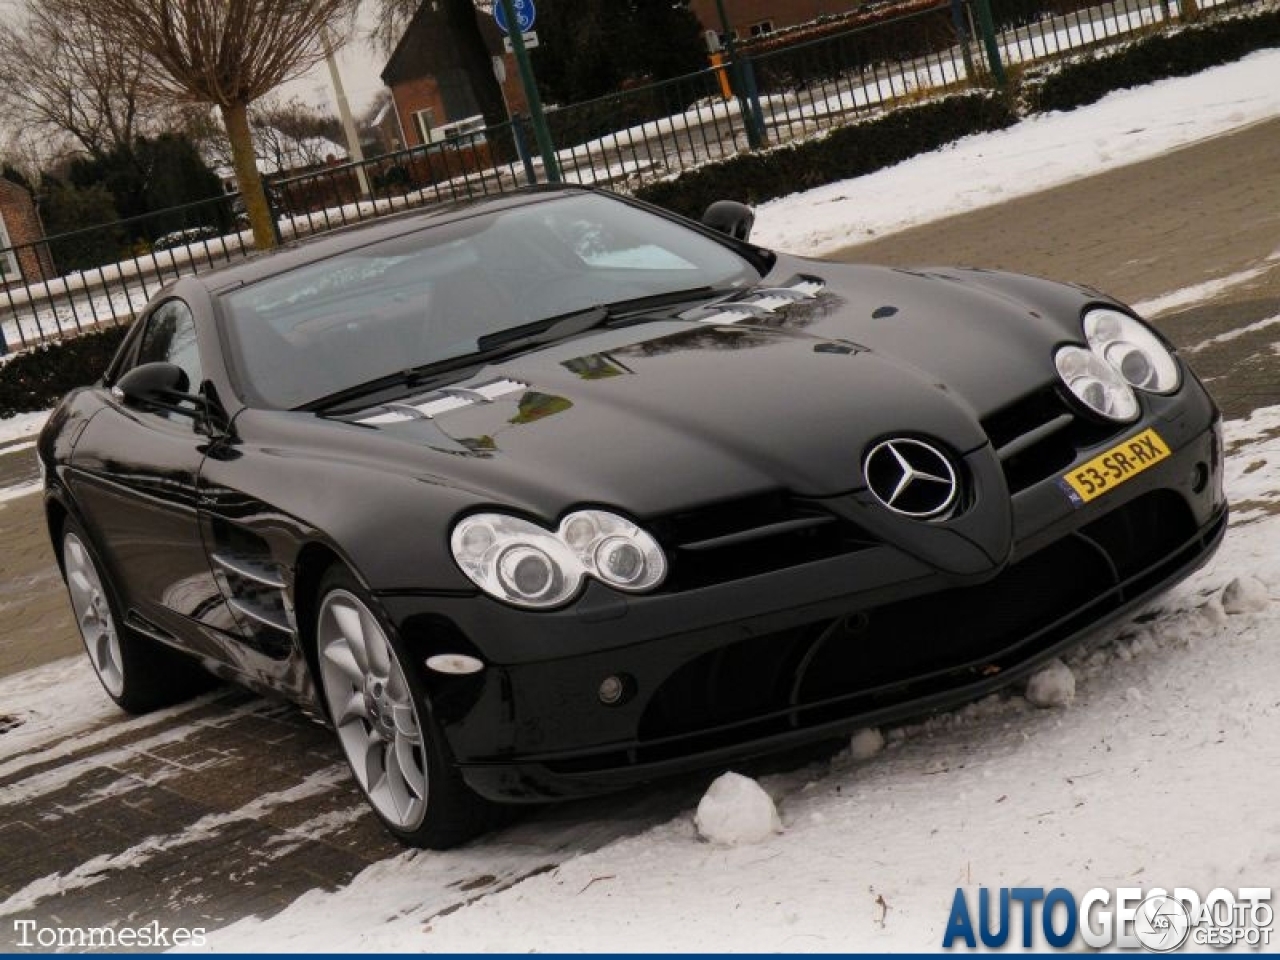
553, 493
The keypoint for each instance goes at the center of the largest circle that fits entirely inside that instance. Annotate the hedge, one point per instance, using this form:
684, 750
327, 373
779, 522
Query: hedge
846, 152
1154, 58
37, 378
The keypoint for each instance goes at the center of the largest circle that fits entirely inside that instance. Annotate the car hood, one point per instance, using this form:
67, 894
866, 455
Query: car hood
730, 400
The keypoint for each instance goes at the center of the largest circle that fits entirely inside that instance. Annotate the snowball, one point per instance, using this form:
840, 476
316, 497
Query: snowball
1053, 685
1245, 595
866, 744
735, 810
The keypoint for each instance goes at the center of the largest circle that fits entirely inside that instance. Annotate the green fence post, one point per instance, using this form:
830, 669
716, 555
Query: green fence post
541, 132
988, 28
739, 80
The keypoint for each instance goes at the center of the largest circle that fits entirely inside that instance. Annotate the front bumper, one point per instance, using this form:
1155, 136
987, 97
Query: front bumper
726, 672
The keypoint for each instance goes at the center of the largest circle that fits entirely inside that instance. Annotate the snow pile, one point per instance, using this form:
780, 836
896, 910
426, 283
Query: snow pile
865, 744
736, 811
1125, 127
1245, 595
1053, 685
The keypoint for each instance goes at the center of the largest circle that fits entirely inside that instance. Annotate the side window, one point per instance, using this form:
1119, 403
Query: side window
170, 337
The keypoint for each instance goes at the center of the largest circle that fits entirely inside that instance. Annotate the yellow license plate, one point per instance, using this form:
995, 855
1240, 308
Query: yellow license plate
1108, 470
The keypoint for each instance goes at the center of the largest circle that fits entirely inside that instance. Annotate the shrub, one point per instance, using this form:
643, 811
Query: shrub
846, 152
1154, 58
37, 378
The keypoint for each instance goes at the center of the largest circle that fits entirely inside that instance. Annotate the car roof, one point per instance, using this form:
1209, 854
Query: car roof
298, 253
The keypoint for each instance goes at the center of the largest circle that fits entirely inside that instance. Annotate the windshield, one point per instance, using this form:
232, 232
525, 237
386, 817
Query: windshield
434, 294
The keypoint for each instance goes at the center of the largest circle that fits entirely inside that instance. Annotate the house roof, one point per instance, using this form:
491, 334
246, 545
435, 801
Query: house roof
426, 47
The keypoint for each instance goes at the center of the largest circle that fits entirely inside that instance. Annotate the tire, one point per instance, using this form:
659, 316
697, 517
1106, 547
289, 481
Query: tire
138, 673
384, 725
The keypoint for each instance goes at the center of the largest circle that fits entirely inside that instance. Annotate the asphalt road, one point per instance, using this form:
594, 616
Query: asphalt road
235, 806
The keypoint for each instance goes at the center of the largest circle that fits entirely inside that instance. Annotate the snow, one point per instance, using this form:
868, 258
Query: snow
1245, 595
22, 426
1053, 685
1200, 292
865, 744
1043, 151
735, 811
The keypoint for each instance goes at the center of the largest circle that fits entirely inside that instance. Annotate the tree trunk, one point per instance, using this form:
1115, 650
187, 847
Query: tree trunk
245, 162
1190, 11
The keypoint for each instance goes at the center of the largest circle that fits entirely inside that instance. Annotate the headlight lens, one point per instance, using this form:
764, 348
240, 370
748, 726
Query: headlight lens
515, 560
614, 550
1132, 350
1096, 383
521, 563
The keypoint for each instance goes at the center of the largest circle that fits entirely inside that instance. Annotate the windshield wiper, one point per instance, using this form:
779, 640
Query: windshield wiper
504, 343
564, 325
414, 377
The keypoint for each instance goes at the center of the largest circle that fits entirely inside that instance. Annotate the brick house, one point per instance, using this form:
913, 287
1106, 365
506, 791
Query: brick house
428, 84
753, 18
19, 225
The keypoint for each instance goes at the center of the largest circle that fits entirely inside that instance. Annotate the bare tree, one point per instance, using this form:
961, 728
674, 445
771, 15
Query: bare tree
227, 53
290, 133
61, 76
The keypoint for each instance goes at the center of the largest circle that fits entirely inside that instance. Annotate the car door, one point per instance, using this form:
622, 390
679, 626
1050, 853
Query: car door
135, 479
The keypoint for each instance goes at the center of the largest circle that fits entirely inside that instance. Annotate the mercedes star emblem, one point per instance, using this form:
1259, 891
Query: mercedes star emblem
911, 477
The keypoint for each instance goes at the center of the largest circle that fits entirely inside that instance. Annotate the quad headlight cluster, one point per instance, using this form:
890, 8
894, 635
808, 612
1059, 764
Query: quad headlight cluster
525, 564
1123, 356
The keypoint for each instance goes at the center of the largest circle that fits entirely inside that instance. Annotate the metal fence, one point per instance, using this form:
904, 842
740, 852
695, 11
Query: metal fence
773, 93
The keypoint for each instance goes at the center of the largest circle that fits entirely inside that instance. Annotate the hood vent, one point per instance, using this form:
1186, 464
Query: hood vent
764, 301
442, 401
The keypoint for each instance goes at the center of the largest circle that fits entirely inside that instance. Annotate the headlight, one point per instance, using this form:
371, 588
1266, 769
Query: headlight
1096, 383
520, 562
614, 550
1132, 349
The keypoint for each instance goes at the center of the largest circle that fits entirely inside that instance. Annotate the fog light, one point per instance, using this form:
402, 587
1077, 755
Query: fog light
612, 690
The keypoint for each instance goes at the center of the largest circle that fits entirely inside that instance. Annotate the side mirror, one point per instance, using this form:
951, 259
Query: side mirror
730, 217
159, 385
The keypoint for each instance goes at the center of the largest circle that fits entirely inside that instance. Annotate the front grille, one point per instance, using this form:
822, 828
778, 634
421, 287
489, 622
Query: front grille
721, 542
1041, 435
873, 659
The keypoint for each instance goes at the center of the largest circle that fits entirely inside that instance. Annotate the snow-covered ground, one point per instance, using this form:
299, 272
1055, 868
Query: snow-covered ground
22, 426
1042, 151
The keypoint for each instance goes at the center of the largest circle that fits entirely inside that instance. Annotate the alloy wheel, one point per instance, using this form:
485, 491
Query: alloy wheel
373, 709
93, 614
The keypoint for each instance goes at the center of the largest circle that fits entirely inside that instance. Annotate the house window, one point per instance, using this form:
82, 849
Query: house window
761, 28
424, 121
8, 262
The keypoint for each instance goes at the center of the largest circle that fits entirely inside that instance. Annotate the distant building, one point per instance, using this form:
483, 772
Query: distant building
754, 18
20, 225
430, 87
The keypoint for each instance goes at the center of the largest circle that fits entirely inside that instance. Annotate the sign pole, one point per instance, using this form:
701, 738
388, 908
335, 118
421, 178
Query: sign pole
539, 119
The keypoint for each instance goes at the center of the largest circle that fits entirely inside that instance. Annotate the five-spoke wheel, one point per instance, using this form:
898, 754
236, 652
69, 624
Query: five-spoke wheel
373, 708
93, 614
